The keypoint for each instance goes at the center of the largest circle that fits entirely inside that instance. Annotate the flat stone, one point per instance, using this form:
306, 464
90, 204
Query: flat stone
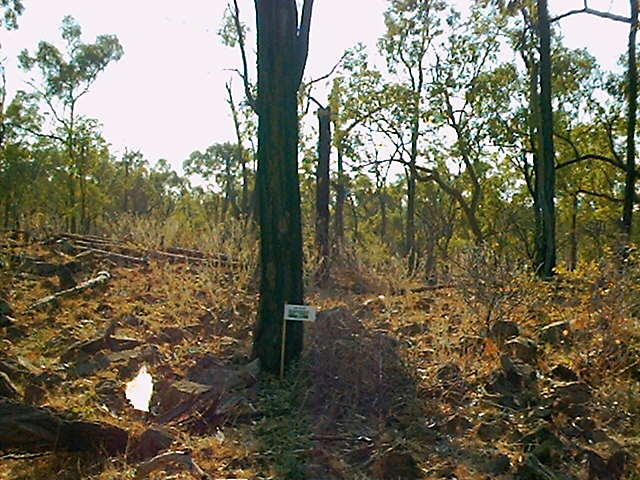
522, 348
564, 373
555, 333
503, 330
151, 442
491, 431
573, 392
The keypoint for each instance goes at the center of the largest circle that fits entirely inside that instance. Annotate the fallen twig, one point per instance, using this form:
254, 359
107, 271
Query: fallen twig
160, 461
102, 278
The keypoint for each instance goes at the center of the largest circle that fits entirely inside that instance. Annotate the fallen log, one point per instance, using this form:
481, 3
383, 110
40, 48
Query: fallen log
102, 278
75, 236
115, 256
24, 428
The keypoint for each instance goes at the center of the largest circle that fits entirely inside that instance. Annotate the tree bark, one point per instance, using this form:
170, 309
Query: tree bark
322, 194
282, 54
341, 194
632, 99
573, 234
545, 172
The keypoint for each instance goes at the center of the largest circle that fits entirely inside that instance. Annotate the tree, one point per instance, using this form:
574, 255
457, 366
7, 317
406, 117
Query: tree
411, 28
65, 78
283, 41
11, 10
322, 193
219, 162
545, 171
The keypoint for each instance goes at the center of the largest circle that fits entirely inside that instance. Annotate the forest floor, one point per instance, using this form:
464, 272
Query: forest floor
411, 385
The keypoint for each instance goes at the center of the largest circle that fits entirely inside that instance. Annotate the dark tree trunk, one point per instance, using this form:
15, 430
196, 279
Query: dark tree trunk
410, 231
341, 194
573, 234
322, 194
244, 199
282, 53
545, 172
632, 99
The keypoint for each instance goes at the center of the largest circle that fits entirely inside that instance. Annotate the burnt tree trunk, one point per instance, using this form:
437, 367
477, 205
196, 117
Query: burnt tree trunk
282, 55
632, 99
341, 194
322, 194
545, 172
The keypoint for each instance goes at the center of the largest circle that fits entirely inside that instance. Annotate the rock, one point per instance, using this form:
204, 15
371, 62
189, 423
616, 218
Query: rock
564, 373
522, 348
171, 395
87, 347
65, 277
491, 431
533, 469
573, 392
456, 425
497, 465
151, 442
543, 444
555, 333
5, 307
612, 469
173, 335
503, 330
7, 321
7, 388
517, 373
110, 393
27, 429
396, 465
128, 362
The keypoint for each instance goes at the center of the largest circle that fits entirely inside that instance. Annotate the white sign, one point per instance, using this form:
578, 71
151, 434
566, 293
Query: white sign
302, 313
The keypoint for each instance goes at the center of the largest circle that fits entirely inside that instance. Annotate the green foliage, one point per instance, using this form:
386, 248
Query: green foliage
10, 10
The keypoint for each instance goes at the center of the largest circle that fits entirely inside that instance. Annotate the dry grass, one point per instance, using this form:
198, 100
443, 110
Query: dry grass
372, 378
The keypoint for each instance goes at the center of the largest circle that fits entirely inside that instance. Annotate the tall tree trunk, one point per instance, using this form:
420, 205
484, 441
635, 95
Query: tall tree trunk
573, 234
545, 173
632, 100
410, 226
322, 194
341, 194
282, 54
240, 158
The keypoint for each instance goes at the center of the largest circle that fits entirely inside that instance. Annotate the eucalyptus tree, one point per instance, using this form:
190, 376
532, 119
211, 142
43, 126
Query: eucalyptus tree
357, 97
218, 163
411, 28
64, 78
283, 45
468, 52
631, 93
10, 11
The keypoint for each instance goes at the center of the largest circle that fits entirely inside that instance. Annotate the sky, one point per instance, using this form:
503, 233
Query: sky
166, 97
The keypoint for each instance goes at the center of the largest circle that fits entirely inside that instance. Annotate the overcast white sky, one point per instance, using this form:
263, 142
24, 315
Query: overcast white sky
166, 95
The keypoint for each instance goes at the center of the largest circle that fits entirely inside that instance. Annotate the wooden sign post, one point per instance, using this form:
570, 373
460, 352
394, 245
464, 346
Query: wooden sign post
298, 313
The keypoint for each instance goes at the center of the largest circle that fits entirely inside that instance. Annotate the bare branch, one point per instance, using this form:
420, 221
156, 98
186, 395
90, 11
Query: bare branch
245, 77
324, 77
303, 39
591, 11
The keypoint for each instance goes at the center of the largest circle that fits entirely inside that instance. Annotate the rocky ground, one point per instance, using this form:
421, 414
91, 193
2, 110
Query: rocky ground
515, 380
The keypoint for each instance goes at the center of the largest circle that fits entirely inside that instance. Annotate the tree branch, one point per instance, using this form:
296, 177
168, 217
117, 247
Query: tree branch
245, 77
303, 39
591, 11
